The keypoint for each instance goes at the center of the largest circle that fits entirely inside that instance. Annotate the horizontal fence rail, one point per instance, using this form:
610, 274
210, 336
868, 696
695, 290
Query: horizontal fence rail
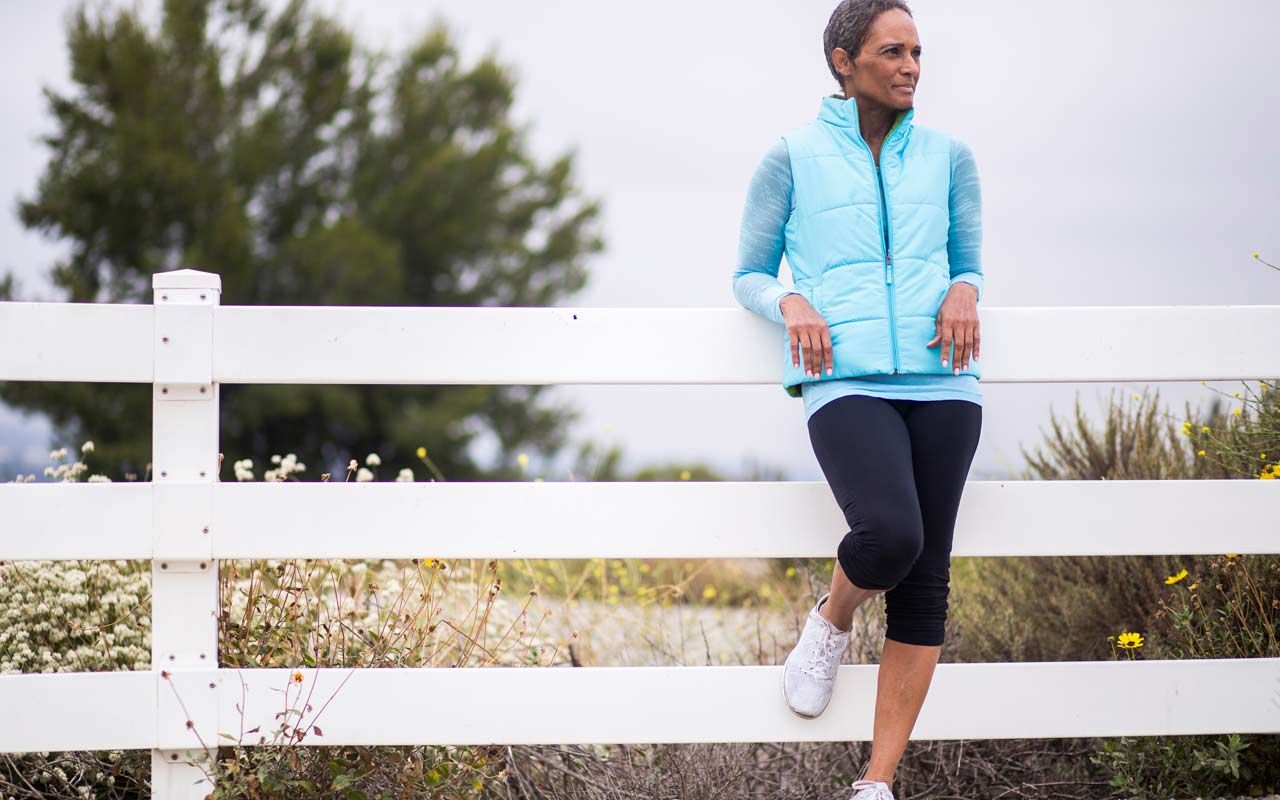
186, 345
451, 345
665, 519
633, 705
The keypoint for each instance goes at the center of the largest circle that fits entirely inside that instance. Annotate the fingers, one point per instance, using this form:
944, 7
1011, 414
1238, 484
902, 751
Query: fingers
965, 349
826, 348
965, 337
812, 345
814, 350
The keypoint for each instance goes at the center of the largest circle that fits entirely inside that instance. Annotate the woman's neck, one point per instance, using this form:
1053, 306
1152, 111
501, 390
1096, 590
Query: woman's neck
874, 122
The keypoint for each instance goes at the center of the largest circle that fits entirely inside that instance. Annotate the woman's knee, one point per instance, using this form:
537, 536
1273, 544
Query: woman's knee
881, 551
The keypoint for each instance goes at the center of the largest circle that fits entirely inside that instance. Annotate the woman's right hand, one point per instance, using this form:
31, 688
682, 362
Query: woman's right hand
806, 328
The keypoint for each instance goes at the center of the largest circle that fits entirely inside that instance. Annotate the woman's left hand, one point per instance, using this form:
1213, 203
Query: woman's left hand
958, 323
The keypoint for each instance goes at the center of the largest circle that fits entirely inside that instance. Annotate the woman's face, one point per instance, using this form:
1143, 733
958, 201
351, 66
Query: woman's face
887, 70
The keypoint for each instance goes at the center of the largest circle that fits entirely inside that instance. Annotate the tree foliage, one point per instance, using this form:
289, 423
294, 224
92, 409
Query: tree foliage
269, 147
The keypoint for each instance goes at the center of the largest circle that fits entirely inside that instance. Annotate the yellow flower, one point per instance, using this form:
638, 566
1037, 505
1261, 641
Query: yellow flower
708, 593
523, 458
297, 677
791, 572
764, 590
1267, 474
1129, 640
644, 567
1257, 255
1233, 555
1182, 573
685, 475
1204, 428
1237, 411
1263, 456
422, 452
1135, 395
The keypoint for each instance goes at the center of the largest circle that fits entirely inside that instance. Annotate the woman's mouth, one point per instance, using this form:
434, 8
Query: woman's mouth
905, 88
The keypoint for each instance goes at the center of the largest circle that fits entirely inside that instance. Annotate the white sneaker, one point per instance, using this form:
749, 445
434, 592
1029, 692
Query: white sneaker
871, 790
809, 674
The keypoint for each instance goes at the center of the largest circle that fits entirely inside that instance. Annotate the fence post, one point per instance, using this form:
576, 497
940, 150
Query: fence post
184, 576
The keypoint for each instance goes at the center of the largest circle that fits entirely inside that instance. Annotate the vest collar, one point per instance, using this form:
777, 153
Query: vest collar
843, 113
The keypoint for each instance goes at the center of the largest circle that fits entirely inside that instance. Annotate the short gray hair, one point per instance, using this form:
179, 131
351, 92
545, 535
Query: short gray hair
848, 27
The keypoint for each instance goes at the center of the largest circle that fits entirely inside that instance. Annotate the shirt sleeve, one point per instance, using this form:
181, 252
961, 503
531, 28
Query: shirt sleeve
762, 236
964, 240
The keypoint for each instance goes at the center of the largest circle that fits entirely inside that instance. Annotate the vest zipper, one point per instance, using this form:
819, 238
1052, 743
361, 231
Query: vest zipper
887, 236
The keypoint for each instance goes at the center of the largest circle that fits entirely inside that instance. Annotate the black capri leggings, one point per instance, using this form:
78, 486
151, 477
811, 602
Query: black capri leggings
897, 468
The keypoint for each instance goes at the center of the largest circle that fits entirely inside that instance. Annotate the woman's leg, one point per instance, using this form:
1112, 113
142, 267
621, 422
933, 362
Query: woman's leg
844, 599
863, 446
944, 437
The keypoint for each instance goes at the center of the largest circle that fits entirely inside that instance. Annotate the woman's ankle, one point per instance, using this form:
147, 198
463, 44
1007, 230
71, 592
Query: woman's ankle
847, 623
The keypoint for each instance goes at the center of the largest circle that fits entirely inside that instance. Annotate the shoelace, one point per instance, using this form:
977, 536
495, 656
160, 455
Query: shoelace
880, 790
822, 657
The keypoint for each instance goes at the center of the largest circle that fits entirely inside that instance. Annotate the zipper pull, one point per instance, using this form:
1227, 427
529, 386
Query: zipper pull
888, 261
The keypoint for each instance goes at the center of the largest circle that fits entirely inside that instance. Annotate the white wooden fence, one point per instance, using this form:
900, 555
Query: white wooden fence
186, 345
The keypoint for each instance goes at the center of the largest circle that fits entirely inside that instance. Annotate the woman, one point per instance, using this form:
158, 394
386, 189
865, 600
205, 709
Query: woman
880, 222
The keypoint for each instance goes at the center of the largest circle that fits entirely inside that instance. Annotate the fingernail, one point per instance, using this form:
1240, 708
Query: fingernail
957, 370
944, 362
828, 370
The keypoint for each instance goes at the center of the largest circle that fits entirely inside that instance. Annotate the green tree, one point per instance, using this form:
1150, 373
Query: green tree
306, 170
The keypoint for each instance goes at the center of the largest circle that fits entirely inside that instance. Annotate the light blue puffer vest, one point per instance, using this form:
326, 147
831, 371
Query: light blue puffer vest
880, 303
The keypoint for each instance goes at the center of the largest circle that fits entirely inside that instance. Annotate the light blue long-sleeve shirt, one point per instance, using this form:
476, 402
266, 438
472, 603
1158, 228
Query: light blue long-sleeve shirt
760, 248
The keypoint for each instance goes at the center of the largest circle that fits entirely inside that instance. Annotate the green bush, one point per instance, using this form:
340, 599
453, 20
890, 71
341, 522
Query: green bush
1077, 608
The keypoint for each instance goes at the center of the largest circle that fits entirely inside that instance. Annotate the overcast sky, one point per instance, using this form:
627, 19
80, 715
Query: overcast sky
1128, 155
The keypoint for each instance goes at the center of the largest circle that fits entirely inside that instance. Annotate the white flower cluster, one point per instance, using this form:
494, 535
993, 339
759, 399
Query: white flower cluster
67, 473
244, 469
405, 476
288, 465
68, 616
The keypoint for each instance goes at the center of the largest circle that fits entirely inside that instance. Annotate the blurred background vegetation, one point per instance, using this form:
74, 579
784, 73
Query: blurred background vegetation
271, 148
